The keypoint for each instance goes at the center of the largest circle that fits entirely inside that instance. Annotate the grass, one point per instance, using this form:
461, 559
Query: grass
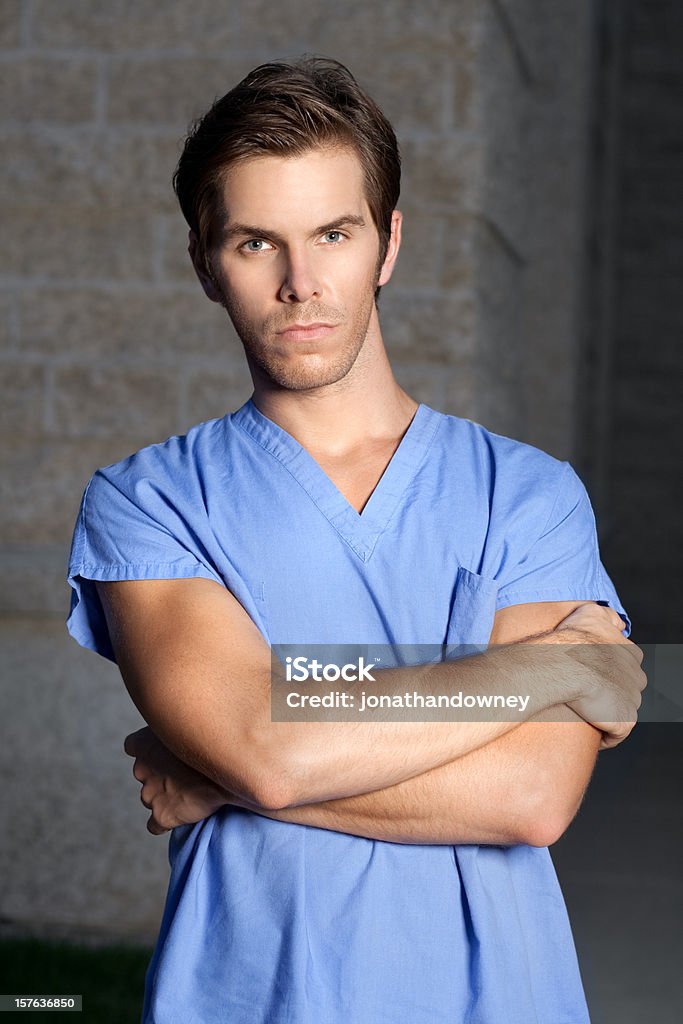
111, 980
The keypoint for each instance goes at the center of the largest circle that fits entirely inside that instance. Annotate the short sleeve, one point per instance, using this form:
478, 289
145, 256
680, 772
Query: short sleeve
563, 562
128, 528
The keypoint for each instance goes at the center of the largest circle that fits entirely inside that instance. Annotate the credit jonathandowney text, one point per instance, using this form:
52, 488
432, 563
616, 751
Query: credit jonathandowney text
371, 701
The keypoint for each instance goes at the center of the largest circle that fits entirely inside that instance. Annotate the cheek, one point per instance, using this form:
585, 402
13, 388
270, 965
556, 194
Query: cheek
356, 275
247, 286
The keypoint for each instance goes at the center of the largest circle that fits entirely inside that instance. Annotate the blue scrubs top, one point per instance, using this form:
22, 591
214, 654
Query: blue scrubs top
269, 922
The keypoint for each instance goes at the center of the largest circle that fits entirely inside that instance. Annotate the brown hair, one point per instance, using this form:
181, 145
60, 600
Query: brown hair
287, 108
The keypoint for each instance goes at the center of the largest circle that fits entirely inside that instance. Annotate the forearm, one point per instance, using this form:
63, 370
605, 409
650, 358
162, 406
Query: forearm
200, 673
523, 787
328, 761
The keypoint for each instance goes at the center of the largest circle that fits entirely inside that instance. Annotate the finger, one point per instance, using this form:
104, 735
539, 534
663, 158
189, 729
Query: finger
613, 614
609, 614
620, 644
617, 734
612, 740
639, 652
132, 741
149, 793
634, 655
154, 827
610, 620
617, 620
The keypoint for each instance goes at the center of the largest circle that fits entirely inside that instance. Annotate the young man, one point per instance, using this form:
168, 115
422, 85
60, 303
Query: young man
333, 871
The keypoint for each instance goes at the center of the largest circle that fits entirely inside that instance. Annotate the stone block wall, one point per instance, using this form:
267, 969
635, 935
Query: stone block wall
109, 344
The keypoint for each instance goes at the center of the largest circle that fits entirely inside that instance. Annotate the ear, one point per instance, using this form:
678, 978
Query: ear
207, 284
392, 249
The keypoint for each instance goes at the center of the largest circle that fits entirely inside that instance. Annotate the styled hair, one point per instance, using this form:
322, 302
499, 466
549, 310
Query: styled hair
286, 108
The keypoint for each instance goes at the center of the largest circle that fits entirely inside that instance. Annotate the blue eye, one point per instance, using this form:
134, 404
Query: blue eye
255, 241
337, 233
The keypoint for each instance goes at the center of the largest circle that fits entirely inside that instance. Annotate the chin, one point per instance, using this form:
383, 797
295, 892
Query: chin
300, 375
295, 378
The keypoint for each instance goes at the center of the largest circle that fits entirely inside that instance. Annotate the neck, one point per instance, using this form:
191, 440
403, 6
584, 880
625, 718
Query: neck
367, 404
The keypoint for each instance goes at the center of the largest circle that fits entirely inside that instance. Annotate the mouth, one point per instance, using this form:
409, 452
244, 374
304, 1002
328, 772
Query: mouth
307, 332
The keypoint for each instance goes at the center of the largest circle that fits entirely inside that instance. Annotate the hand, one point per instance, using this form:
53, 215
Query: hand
175, 793
596, 621
611, 703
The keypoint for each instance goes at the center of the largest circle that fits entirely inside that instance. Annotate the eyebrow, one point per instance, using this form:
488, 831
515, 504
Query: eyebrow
231, 231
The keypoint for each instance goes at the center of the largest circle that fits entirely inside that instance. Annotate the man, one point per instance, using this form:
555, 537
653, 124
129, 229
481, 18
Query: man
363, 872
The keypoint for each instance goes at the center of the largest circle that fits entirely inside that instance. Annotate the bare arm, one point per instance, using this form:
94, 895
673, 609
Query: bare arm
504, 793
524, 787
500, 794
199, 672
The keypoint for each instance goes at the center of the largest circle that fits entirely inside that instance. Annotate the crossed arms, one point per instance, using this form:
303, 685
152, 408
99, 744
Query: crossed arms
199, 672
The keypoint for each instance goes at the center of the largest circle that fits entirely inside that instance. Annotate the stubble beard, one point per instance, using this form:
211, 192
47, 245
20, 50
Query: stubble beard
307, 371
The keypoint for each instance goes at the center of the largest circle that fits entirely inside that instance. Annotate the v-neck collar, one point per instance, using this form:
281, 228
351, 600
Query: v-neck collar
360, 530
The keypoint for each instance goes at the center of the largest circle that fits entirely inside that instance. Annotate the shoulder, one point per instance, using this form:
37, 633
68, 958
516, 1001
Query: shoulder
149, 509
177, 450
505, 469
506, 496
173, 465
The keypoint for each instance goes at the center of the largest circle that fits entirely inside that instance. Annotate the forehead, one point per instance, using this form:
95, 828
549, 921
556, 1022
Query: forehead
314, 186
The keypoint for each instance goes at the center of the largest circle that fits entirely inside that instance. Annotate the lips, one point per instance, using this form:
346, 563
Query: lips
304, 327
307, 332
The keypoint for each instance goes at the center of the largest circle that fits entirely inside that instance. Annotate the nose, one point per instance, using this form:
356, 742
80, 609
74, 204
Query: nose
300, 280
